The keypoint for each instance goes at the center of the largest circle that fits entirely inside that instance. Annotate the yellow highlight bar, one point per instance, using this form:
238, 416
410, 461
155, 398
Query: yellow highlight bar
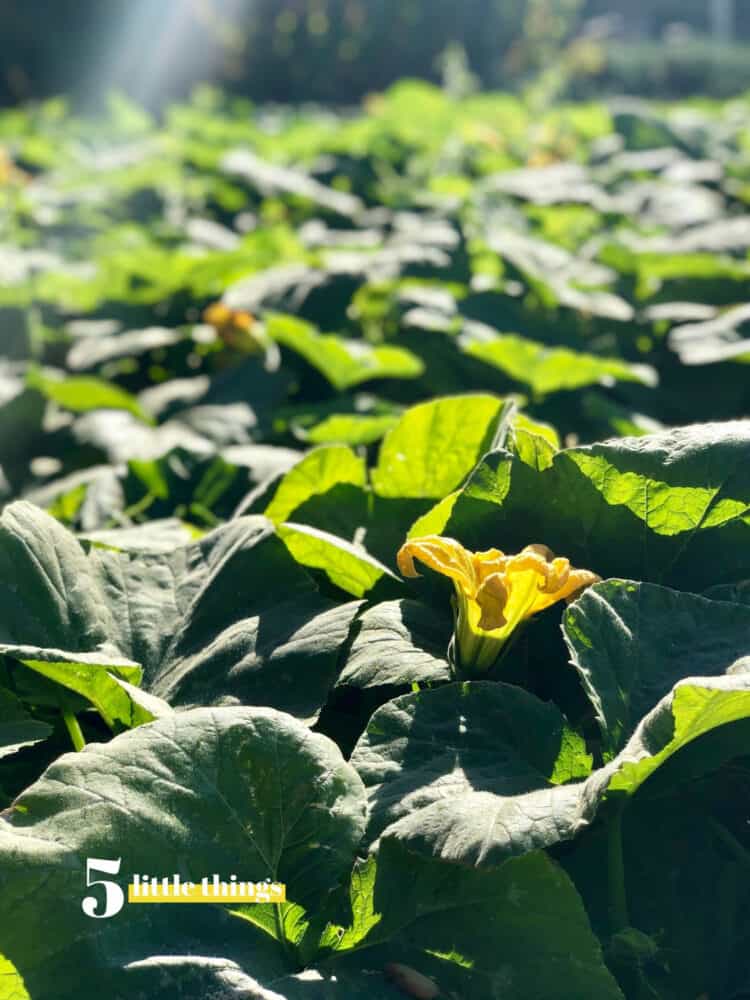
208, 890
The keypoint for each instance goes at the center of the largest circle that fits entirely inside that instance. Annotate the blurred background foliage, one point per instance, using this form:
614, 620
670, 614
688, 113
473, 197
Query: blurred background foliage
337, 51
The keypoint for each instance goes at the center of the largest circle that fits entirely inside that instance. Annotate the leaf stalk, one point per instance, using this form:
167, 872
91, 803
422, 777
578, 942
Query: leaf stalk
617, 897
74, 729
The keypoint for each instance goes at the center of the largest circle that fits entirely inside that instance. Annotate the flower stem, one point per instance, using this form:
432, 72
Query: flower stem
73, 727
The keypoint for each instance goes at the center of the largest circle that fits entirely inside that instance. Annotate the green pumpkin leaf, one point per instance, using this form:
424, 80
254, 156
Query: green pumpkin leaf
478, 932
345, 363
435, 445
670, 508
11, 984
551, 369
18, 729
83, 393
238, 791
480, 737
319, 471
348, 566
398, 642
230, 617
631, 642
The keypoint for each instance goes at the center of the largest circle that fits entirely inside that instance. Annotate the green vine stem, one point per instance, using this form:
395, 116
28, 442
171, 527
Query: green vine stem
730, 842
73, 727
617, 896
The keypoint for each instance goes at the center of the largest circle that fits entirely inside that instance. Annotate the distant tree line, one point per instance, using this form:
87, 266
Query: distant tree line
328, 50
647, 21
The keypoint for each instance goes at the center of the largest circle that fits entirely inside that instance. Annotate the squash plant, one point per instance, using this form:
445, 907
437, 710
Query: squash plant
376, 521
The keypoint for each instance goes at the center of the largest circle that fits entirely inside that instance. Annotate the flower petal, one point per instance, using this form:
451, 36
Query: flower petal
557, 580
529, 559
495, 592
217, 314
538, 549
558, 573
578, 581
444, 555
492, 597
486, 563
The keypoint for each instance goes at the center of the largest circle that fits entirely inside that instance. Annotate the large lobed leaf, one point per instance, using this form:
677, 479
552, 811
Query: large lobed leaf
238, 791
230, 618
631, 642
481, 828
671, 508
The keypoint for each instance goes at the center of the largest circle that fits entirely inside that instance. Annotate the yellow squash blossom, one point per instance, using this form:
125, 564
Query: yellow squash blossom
494, 592
9, 172
236, 328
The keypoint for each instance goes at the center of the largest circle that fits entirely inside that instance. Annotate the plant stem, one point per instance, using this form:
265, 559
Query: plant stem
71, 723
738, 852
618, 903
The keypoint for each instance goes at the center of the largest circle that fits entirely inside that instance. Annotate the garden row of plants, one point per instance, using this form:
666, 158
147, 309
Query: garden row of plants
376, 520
